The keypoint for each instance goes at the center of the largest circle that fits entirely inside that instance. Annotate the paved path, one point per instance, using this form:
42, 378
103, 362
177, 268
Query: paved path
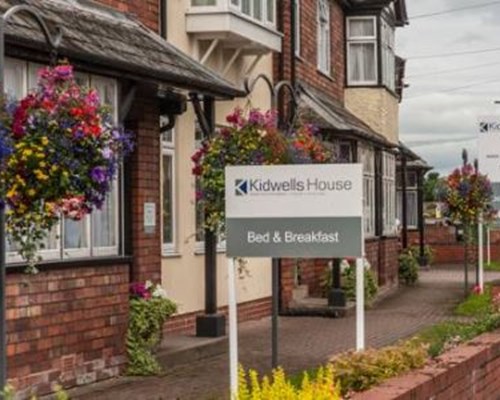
304, 342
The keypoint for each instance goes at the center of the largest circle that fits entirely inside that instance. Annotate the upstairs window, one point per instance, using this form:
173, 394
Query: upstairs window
388, 56
361, 51
261, 10
324, 36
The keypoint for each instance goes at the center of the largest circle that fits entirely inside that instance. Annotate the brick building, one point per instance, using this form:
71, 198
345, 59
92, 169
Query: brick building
67, 324
341, 57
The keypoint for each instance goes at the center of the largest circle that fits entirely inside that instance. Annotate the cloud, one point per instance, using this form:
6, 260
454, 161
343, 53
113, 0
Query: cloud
442, 109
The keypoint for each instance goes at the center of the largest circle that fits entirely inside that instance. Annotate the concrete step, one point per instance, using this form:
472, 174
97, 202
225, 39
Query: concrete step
317, 306
178, 350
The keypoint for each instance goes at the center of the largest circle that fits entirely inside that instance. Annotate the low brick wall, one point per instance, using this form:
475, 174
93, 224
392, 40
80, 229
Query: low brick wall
66, 326
447, 250
248, 311
470, 371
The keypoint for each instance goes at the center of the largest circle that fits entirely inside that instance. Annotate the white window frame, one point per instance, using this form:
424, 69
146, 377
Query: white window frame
361, 40
169, 150
323, 21
367, 157
297, 27
265, 18
389, 193
387, 43
60, 253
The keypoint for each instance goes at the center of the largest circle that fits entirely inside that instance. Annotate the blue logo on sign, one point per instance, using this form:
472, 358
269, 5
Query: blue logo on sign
241, 187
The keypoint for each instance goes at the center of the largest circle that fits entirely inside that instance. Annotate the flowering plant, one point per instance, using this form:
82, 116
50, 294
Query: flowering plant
64, 154
149, 309
249, 140
467, 195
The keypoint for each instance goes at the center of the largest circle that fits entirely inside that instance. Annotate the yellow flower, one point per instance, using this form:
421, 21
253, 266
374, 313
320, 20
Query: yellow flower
27, 152
31, 192
54, 168
45, 141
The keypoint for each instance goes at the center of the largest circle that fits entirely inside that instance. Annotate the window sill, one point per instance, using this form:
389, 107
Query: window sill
201, 252
73, 263
171, 254
326, 75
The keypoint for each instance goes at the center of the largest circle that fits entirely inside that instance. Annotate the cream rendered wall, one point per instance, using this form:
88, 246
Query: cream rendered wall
377, 107
183, 273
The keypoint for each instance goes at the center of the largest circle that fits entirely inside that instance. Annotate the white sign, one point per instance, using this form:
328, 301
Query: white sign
489, 146
149, 217
294, 211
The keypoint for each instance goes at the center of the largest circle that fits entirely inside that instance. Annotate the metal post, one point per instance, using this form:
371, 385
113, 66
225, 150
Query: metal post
275, 294
488, 245
360, 305
233, 328
404, 206
480, 256
421, 221
466, 239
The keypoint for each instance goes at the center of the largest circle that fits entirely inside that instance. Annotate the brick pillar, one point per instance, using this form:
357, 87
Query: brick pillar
144, 187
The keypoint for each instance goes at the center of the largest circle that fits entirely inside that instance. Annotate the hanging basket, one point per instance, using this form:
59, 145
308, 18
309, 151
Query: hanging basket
252, 139
63, 153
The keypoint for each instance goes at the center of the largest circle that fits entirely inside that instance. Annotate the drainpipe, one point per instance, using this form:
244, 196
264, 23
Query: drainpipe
421, 221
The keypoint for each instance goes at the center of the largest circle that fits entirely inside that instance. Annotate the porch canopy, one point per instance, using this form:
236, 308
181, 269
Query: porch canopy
105, 41
330, 115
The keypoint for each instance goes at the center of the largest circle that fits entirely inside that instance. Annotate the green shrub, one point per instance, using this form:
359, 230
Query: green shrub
349, 284
144, 333
428, 253
9, 393
362, 370
492, 266
320, 387
408, 267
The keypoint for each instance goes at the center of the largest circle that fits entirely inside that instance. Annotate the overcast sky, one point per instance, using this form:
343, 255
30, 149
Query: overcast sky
437, 118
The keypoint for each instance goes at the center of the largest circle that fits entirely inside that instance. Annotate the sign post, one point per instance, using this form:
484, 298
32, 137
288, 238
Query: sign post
293, 211
489, 164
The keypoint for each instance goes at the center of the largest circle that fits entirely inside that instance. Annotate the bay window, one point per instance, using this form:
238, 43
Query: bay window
296, 28
260, 10
323, 26
96, 234
364, 47
361, 50
367, 158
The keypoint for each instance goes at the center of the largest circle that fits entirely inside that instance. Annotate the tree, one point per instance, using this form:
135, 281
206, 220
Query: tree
431, 183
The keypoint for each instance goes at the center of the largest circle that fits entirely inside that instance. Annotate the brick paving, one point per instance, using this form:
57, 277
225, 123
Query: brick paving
305, 342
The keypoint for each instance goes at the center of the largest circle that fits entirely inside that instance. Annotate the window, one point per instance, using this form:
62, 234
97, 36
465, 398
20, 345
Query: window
388, 56
367, 158
389, 192
361, 51
296, 4
411, 199
261, 10
324, 36
168, 190
196, 3
97, 234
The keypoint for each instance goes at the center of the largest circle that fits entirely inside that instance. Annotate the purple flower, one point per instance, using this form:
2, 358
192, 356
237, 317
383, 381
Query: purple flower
98, 174
139, 290
107, 153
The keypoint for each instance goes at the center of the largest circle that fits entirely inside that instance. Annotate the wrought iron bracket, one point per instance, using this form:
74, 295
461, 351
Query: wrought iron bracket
275, 91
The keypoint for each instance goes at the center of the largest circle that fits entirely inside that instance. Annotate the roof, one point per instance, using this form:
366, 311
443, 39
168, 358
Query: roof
116, 42
329, 114
413, 159
400, 11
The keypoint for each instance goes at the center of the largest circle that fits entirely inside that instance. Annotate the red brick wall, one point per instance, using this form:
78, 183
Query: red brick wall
307, 63
66, 326
145, 186
249, 311
470, 371
145, 10
442, 239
